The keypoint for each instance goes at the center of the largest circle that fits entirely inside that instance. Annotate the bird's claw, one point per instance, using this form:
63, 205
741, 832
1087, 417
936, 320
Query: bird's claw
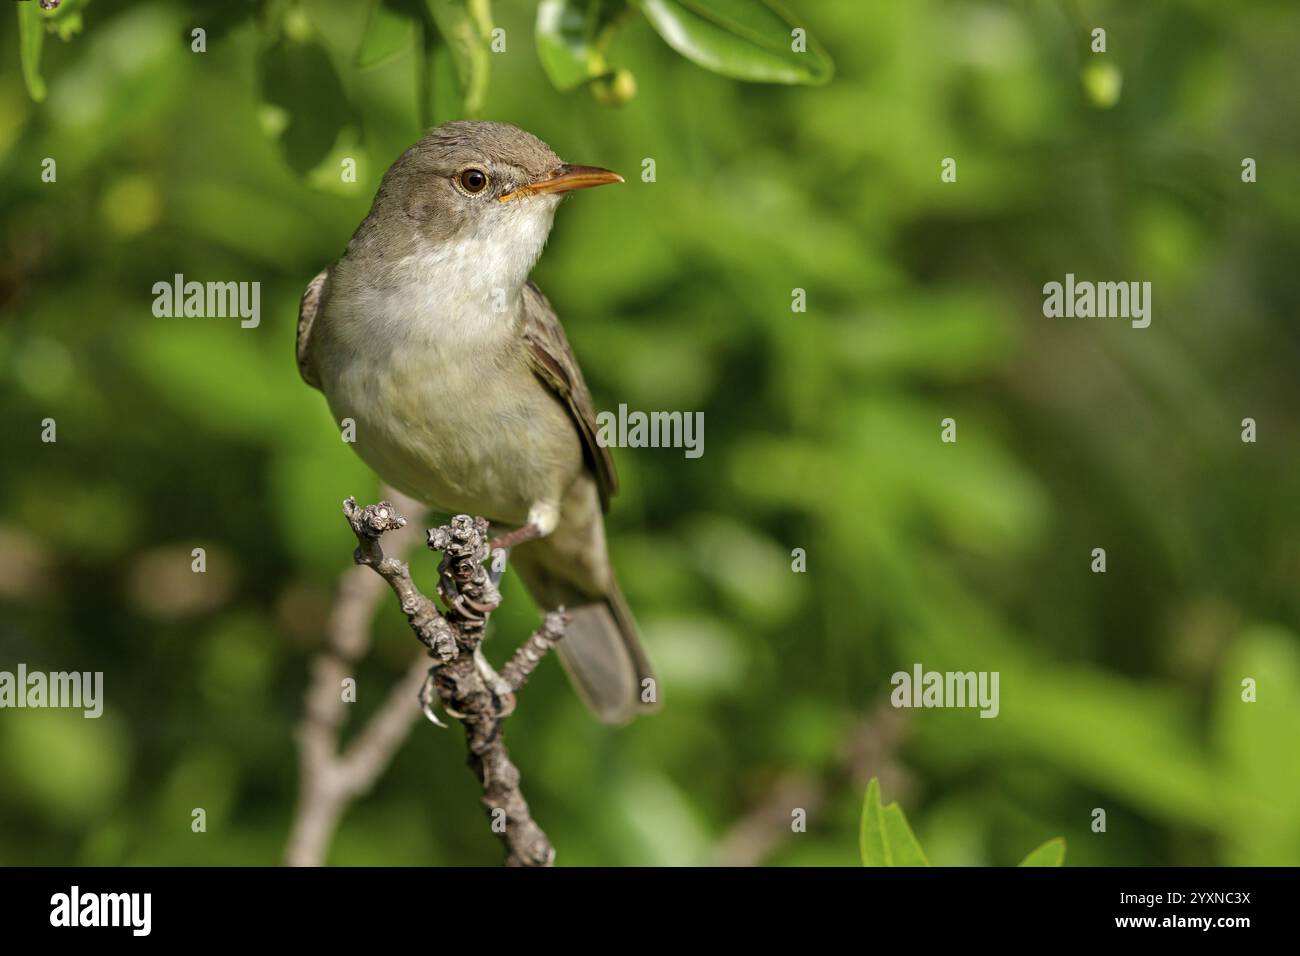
428, 700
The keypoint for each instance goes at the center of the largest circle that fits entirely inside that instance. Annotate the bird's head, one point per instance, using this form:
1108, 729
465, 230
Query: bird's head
480, 192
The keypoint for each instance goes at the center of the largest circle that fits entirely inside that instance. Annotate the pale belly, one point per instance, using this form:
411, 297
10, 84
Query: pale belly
480, 435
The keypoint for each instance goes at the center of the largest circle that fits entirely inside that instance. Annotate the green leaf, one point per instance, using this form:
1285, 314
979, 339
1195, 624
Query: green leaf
884, 837
566, 41
900, 841
33, 24
66, 19
440, 97
297, 78
1051, 853
871, 832
745, 39
31, 37
465, 27
388, 33
1259, 749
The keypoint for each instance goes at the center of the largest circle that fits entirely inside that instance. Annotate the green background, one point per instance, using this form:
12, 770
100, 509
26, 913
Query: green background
1119, 690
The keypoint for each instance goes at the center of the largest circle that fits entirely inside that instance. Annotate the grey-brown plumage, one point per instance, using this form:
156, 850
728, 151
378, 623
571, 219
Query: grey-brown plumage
463, 388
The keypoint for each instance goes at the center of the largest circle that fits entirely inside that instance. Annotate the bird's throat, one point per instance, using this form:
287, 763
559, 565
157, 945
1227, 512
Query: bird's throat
471, 284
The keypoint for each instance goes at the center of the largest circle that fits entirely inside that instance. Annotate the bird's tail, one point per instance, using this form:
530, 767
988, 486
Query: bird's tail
600, 650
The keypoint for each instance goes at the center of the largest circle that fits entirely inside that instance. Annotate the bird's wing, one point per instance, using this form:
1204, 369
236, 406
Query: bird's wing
307, 310
553, 362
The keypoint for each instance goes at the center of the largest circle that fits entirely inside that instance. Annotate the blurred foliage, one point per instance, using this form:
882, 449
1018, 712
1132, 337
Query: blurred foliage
1120, 691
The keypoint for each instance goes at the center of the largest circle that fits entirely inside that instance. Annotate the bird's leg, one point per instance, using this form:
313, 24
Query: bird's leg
529, 532
543, 516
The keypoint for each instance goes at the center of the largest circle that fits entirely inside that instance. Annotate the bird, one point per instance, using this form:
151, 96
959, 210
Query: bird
462, 388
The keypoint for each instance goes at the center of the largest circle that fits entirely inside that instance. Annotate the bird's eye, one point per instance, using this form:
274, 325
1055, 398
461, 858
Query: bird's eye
474, 180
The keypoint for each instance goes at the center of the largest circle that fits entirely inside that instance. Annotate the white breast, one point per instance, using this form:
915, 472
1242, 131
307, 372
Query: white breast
428, 361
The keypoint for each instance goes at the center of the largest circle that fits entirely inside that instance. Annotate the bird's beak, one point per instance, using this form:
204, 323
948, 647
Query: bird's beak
565, 179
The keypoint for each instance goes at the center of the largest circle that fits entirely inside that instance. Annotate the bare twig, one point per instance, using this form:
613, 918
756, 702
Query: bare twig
469, 689
516, 671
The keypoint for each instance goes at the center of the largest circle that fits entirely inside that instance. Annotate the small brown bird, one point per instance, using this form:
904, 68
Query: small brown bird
466, 395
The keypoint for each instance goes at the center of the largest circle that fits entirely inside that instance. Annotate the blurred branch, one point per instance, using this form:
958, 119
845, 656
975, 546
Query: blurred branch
467, 686
330, 781
867, 752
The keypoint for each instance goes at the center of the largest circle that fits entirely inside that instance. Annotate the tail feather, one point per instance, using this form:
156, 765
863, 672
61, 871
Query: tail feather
600, 650
606, 662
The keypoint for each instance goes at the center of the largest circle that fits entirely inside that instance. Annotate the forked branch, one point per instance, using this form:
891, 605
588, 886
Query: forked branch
460, 676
